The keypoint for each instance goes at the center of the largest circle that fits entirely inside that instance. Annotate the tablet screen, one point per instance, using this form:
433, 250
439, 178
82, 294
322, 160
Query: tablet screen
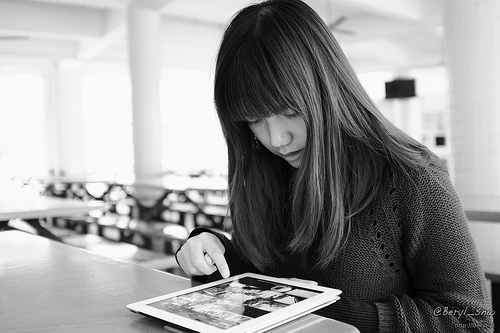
231, 303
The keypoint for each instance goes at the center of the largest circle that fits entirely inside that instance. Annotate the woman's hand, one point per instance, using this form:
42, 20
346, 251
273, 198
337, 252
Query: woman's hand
202, 255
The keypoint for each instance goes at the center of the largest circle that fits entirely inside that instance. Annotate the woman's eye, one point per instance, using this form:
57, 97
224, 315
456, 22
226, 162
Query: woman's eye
253, 121
290, 114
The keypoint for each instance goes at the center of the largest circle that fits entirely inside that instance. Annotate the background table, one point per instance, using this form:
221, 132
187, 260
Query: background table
203, 196
31, 208
46, 286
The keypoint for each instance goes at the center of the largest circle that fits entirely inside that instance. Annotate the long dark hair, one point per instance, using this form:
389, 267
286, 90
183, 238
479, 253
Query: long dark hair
279, 55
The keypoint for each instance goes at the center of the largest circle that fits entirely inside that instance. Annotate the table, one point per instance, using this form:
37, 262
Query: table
47, 286
32, 207
84, 187
192, 190
149, 197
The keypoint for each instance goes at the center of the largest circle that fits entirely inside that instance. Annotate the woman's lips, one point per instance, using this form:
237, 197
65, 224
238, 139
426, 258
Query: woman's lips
291, 156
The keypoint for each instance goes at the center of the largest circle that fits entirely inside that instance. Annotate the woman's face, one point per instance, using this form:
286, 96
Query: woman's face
284, 135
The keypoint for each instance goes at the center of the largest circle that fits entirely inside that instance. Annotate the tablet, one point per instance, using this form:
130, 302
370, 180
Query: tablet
243, 303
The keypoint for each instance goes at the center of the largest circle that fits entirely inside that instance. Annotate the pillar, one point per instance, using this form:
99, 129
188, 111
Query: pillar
407, 115
144, 54
472, 57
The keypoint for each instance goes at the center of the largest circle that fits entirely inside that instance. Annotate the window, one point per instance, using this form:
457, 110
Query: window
107, 117
22, 121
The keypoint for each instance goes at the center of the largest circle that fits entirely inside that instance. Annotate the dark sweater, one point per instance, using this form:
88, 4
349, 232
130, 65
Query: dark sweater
409, 265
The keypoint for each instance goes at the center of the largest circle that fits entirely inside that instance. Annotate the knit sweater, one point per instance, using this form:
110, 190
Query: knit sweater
409, 264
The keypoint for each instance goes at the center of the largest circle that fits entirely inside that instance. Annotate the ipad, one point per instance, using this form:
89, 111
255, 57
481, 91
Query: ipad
247, 302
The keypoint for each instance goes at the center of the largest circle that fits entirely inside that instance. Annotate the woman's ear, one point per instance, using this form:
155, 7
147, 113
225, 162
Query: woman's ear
255, 142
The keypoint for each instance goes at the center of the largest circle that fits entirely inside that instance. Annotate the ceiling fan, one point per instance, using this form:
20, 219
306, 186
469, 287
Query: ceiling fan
334, 26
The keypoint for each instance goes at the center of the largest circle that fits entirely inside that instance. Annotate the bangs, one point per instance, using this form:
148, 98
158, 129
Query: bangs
254, 84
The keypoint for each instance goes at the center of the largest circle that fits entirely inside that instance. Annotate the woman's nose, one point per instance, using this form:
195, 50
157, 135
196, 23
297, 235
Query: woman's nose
279, 133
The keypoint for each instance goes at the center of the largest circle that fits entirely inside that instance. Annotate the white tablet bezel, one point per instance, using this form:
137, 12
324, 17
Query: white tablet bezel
269, 320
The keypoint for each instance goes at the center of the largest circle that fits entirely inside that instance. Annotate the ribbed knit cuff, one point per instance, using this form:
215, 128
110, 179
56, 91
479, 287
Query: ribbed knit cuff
200, 230
196, 232
386, 318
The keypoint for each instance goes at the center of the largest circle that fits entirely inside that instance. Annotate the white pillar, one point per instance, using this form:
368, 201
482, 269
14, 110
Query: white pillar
472, 49
144, 48
407, 115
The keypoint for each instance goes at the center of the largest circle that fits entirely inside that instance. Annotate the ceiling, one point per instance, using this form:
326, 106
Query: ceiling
385, 34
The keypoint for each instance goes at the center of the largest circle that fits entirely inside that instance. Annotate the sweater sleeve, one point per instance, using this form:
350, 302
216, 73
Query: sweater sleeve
441, 259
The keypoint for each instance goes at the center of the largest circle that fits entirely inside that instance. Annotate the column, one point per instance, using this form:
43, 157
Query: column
472, 53
407, 115
144, 49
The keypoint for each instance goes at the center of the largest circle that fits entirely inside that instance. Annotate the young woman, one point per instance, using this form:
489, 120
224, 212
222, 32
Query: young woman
322, 187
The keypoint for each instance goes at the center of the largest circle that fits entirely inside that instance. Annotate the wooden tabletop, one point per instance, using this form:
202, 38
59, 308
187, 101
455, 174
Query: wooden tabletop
46, 286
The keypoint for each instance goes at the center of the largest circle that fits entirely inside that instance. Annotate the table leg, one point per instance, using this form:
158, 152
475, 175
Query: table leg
35, 223
3, 224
